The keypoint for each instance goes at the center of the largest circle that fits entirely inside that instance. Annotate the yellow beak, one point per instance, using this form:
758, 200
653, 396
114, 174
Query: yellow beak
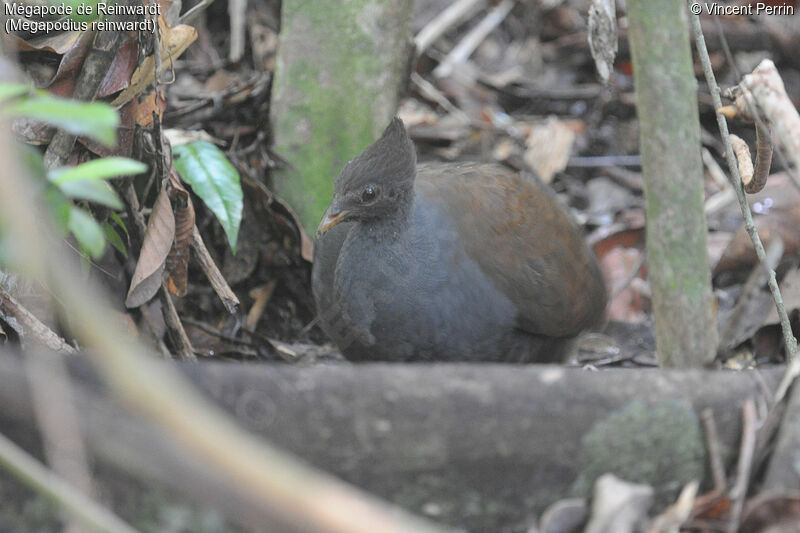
329, 220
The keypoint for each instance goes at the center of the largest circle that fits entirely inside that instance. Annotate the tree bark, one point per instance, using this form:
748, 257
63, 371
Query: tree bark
341, 67
666, 103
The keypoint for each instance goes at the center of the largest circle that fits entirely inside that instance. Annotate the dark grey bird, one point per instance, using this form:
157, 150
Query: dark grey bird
449, 262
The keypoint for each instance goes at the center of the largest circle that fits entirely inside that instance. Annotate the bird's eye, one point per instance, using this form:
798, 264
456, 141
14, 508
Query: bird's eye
369, 194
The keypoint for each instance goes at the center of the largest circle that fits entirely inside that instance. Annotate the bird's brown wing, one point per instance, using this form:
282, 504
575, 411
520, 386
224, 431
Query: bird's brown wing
523, 239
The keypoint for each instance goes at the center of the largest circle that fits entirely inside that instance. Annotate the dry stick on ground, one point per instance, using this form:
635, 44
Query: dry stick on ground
714, 454
28, 327
444, 21
261, 296
221, 287
474, 38
177, 333
789, 340
429, 90
726, 194
297, 493
746, 451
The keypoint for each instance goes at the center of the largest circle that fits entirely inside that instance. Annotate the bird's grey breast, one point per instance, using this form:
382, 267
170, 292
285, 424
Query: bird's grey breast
417, 290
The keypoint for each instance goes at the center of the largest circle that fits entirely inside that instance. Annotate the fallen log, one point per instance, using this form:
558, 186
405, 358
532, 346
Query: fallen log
484, 447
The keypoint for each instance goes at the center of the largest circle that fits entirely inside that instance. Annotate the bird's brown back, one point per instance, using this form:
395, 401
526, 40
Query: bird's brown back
524, 240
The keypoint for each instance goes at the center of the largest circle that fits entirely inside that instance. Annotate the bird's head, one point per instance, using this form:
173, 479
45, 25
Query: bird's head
377, 183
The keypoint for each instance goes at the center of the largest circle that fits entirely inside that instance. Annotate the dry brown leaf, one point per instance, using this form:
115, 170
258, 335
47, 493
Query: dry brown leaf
157, 243
628, 302
548, 146
119, 74
177, 264
152, 103
58, 42
63, 82
116, 79
174, 41
740, 253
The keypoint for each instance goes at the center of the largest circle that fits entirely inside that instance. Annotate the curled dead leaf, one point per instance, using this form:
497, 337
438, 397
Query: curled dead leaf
152, 258
177, 262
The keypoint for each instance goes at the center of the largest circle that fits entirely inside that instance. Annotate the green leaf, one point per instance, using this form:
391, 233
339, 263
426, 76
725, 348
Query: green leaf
114, 238
87, 231
60, 208
99, 192
215, 180
97, 169
121, 224
12, 90
93, 119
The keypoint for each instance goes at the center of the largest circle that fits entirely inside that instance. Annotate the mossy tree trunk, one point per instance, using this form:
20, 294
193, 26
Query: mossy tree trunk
340, 70
666, 103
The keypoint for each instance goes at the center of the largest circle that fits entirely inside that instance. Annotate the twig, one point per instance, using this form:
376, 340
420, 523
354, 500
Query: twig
444, 21
475, 37
237, 9
28, 327
180, 340
261, 296
593, 161
626, 178
726, 194
714, 454
429, 90
789, 341
149, 324
221, 287
743, 467
44, 481
716, 172
190, 15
